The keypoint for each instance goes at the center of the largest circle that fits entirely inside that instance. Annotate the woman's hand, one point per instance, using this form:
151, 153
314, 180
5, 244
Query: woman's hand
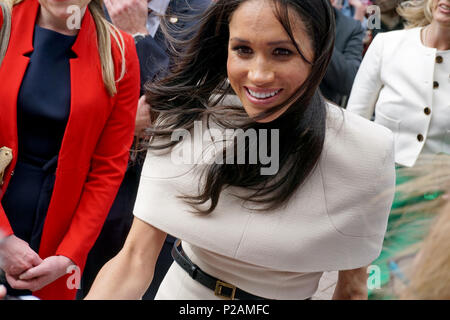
143, 117
38, 277
17, 256
351, 285
2, 292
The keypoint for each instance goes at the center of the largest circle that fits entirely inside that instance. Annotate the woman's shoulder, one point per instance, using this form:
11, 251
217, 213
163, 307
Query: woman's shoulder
397, 37
347, 129
128, 39
358, 173
122, 40
356, 145
124, 49
400, 33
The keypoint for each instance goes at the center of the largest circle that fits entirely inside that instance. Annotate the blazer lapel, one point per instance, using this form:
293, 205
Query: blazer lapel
82, 82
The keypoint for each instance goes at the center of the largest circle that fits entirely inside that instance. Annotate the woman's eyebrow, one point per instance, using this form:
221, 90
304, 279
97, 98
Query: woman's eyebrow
277, 43
272, 43
239, 40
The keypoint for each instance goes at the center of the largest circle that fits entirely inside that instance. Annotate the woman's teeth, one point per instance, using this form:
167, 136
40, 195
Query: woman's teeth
445, 7
263, 95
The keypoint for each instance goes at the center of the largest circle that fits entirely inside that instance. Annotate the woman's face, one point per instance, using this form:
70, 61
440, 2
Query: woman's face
441, 12
264, 67
56, 11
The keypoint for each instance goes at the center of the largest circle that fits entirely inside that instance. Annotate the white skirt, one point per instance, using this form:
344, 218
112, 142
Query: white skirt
178, 285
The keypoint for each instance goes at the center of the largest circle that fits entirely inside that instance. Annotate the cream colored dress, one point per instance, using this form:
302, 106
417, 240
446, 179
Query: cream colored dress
335, 221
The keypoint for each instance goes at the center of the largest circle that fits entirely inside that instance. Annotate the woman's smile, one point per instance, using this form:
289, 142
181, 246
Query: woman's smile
263, 96
442, 12
444, 8
265, 67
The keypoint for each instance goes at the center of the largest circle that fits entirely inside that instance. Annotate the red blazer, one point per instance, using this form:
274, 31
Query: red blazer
95, 148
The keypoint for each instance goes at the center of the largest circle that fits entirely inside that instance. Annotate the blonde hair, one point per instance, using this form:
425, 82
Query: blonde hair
5, 30
417, 13
431, 175
105, 31
429, 276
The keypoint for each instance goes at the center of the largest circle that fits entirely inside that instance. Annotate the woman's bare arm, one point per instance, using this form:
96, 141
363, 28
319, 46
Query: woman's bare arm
351, 285
128, 275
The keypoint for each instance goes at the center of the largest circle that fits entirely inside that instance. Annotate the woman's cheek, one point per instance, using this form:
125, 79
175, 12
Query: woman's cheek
298, 77
236, 73
234, 67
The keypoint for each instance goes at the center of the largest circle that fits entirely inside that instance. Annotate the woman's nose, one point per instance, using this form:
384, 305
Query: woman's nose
261, 72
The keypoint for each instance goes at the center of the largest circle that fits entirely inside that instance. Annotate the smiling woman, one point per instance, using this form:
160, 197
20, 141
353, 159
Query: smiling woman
265, 70
282, 66
246, 235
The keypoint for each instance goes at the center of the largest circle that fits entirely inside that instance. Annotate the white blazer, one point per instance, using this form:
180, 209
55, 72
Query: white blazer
335, 221
396, 81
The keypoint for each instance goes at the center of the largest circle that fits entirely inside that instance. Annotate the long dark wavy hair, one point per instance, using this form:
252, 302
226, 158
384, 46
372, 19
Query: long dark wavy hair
198, 83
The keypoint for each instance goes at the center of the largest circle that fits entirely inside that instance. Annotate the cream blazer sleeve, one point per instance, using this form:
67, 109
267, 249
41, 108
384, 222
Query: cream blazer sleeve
367, 84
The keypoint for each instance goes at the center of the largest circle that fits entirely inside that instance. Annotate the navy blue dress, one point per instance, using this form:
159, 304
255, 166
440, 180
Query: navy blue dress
43, 108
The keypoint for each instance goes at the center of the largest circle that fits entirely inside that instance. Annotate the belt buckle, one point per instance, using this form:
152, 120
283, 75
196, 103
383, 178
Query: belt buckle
218, 290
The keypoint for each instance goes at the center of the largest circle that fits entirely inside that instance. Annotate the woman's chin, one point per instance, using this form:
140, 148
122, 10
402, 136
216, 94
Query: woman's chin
254, 114
255, 111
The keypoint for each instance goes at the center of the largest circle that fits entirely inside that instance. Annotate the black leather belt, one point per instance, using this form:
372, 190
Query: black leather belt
221, 288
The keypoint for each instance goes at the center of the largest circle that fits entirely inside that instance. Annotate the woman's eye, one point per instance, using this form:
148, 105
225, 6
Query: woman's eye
243, 50
282, 52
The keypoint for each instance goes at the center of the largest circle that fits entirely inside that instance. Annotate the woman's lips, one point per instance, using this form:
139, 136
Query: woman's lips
444, 8
259, 96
